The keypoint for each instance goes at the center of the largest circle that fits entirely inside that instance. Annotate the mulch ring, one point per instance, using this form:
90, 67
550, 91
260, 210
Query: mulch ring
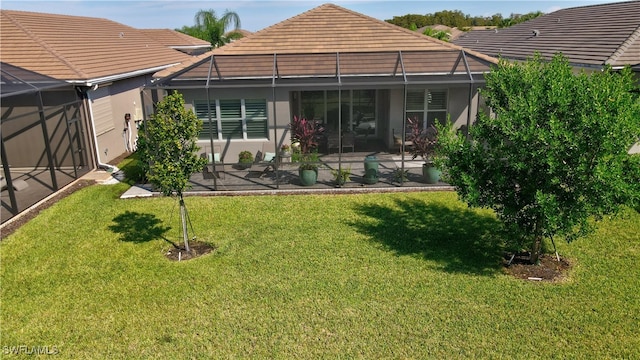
548, 269
178, 253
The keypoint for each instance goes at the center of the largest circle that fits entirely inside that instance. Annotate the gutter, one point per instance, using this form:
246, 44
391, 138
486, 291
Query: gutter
96, 81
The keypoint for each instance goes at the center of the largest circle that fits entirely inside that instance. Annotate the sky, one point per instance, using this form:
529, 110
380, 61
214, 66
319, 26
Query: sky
259, 14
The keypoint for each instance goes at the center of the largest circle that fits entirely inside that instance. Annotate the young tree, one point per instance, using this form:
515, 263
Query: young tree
555, 155
167, 146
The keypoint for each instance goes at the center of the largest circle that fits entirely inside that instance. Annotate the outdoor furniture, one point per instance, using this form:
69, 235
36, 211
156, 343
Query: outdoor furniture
215, 164
333, 141
265, 161
348, 141
397, 141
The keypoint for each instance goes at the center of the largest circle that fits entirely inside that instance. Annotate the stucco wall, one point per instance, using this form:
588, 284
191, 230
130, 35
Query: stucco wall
280, 115
123, 97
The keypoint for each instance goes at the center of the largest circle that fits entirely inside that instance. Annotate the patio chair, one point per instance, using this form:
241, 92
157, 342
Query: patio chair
349, 141
215, 165
333, 141
265, 161
397, 141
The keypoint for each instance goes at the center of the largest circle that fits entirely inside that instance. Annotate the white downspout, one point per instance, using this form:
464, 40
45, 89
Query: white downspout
109, 168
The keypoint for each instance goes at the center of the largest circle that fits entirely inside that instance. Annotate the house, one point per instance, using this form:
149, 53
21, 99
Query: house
178, 41
351, 73
589, 36
67, 83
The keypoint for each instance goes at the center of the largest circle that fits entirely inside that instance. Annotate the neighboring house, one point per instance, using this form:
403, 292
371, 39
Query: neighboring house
591, 37
99, 67
178, 41
348, 71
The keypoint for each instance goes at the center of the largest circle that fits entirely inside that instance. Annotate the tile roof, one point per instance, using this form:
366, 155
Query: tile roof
76, 48
327, 28
588, 36
174, 39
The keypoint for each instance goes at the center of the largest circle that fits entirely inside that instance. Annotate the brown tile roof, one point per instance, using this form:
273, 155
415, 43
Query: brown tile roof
174, 39
327, 29
75, 48
588, 35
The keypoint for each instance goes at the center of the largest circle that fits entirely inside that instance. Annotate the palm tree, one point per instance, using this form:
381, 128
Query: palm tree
210, 28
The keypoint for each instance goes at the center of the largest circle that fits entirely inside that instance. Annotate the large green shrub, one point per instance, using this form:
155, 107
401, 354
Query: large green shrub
555, 155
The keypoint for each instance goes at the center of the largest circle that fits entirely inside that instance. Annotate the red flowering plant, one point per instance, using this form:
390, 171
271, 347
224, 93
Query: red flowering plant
425, 141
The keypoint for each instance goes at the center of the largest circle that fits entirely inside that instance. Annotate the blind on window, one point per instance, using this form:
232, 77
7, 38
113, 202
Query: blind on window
437, 100
208, 127
415, 100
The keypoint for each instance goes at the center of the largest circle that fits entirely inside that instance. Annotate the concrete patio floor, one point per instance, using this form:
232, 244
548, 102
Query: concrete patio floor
253, 181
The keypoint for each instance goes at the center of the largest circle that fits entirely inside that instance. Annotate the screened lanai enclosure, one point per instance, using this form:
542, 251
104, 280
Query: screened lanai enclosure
44, 146
360, 99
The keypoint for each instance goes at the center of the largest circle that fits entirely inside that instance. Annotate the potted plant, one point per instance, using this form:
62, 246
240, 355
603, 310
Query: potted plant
399, 175
306, 135
285, 151
341, 175
245, 159
308, 169
425, 142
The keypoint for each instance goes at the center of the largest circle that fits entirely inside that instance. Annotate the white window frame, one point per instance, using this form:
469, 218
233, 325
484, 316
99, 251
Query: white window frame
219, 120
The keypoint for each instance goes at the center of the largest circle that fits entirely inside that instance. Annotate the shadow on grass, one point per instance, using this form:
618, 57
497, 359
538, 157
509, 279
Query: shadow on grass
136, 227
459, 240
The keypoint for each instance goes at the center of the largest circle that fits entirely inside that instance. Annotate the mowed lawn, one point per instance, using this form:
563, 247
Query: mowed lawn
407, 275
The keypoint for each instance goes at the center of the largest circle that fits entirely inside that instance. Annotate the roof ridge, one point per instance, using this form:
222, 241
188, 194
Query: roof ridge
43, 43
268, 28
352, 12
396, 27
635, 36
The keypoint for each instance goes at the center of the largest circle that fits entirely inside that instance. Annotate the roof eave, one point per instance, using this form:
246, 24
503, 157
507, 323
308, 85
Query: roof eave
105, 79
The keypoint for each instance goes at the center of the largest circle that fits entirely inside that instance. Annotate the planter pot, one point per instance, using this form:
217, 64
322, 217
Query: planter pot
431, 174
370, 169
243, 166
308, 177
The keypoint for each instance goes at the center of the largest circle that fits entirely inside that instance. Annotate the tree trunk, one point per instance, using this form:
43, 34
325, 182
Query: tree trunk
535, 251
537, 242
183, 217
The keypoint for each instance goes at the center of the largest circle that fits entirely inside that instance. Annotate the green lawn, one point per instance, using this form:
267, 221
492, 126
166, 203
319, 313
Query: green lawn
409, 275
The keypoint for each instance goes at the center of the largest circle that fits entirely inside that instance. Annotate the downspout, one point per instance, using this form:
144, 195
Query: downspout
107, 167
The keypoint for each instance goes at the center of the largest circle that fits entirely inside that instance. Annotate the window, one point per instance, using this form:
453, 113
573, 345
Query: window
427, 105
356, 108
233, 118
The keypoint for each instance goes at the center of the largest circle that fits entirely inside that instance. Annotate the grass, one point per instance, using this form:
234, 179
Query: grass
408, 275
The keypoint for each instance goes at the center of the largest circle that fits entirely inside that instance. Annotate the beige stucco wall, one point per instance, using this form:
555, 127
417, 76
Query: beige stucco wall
124, 97
280, 115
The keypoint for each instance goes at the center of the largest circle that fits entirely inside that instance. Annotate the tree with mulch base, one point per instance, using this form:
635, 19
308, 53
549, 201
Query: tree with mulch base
167, 149
554, 156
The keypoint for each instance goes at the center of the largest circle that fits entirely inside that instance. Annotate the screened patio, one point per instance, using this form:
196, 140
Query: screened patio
286, 82
42, 143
